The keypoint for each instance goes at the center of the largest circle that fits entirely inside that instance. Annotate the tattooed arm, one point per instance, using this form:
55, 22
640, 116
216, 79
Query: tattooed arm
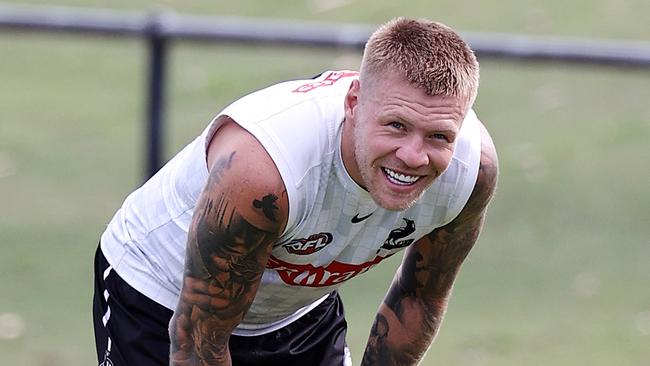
411, 313
239, 215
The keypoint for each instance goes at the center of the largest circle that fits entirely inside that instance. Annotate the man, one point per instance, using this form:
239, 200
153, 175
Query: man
239, 243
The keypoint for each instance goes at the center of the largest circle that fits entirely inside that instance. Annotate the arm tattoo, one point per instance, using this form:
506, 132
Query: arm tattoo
267, 204
226, 256
220, 165
376, 350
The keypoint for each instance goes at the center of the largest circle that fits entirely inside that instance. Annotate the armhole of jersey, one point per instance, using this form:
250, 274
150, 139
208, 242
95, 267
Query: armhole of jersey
275, 152
470, 166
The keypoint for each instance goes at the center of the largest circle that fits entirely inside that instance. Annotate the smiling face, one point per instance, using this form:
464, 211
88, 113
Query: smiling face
397, 139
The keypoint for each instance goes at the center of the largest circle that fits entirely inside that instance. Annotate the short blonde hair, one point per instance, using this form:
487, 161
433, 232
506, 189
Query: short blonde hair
427, 53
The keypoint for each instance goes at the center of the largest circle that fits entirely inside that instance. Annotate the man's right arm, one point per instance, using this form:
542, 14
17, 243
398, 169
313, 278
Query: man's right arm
238, 217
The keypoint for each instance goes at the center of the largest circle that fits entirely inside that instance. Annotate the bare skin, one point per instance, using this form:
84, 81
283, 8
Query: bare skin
412, 311
235, 223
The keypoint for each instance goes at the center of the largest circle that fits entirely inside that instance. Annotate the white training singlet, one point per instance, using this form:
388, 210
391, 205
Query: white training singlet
335, 230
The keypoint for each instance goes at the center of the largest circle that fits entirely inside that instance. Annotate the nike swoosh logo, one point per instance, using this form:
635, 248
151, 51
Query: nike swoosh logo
356, 219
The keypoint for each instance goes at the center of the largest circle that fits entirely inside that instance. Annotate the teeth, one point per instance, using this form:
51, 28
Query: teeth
400, 178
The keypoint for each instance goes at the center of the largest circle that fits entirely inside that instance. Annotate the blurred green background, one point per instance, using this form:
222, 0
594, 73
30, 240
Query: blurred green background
559, 276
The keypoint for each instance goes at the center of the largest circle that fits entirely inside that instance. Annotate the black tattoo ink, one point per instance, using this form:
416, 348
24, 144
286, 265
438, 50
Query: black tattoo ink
225, 261
409, 284
376, 353
219, 166
267, 204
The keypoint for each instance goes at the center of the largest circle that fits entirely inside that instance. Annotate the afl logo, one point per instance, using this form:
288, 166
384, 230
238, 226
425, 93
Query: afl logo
310, 245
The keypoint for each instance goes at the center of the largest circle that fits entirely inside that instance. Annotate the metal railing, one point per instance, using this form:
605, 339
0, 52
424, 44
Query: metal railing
159, 28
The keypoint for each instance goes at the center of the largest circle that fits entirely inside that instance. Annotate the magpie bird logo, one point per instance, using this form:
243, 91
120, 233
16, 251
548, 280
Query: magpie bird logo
394, 242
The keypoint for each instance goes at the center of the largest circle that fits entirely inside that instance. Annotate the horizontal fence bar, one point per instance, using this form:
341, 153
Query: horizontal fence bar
72, 20
351, 36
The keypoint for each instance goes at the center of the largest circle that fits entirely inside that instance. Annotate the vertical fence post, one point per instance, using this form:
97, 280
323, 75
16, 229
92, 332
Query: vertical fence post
157, 47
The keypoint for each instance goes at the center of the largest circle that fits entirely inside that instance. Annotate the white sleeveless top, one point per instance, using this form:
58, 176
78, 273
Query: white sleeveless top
335, 231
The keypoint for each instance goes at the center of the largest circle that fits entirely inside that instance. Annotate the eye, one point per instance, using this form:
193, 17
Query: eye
439, 136
397, 125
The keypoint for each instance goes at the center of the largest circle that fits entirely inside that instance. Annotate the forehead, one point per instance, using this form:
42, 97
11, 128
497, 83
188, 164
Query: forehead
391, 95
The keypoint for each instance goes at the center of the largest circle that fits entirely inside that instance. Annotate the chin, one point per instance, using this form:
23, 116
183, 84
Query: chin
392, 201
395, 204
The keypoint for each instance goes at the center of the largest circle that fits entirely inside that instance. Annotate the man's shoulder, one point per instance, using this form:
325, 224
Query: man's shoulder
486, 179
480, 152
488, 173
320, 96
243, 174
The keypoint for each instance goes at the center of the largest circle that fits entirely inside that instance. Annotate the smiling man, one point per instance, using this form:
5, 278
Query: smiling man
238, 245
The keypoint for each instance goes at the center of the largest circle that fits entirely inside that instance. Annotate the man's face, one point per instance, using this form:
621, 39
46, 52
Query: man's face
399, 139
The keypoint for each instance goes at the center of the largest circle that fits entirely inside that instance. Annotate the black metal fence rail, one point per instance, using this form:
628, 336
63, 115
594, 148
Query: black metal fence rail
158, 28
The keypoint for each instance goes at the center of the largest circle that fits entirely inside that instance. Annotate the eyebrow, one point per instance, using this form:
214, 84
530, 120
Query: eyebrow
447, 130
443, 126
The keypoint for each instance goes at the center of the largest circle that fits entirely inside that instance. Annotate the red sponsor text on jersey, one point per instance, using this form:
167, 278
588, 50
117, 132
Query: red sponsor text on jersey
310, 276
330, 79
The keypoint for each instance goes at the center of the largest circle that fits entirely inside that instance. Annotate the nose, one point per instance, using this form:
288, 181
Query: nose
413, 154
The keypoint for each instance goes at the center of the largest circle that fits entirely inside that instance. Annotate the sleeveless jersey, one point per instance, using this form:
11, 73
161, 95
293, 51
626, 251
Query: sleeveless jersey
335, 231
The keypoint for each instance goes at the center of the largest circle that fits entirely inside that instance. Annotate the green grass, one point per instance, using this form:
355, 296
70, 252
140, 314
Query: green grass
600, 18
559, 275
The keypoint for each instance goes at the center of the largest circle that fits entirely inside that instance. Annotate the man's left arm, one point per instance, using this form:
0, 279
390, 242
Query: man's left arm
411, 313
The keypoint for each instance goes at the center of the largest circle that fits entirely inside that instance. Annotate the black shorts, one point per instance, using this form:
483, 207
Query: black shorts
131, 329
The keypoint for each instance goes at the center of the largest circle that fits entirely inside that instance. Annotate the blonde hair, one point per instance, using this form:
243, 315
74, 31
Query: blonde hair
427, 53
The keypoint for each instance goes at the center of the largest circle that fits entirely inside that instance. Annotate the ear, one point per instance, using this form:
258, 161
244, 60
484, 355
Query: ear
352, 101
